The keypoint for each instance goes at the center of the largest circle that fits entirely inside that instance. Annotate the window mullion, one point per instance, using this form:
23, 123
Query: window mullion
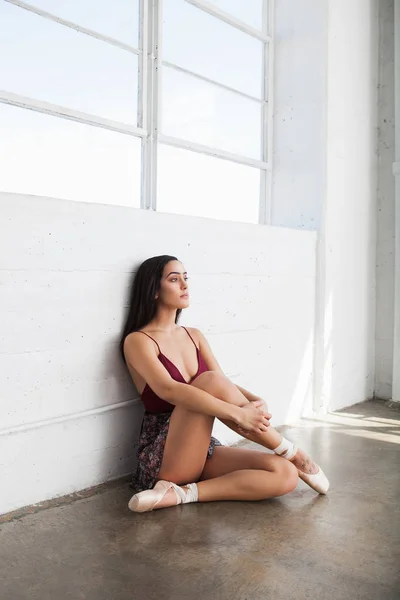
157, 93
143, 70
143, 93
215, 11
79, 28
149, 150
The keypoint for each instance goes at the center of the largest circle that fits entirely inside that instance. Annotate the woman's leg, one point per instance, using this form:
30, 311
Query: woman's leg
186, 446
221, 387
241, 474
233, 474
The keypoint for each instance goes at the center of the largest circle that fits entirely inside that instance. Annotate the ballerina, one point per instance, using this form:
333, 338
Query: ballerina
184, 389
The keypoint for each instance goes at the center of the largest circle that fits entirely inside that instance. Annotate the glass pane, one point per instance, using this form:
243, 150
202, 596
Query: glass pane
49, 156
48, 61
207, 114
248, 11
199, 42
118, 19
204, 186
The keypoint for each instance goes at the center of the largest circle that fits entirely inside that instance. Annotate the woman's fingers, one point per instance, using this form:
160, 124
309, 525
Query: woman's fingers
263, 427
262, 407
255, 420
265, 424
266, 415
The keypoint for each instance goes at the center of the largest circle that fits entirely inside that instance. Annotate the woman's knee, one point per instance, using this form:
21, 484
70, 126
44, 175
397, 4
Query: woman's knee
289, 476
285, 472
211, 381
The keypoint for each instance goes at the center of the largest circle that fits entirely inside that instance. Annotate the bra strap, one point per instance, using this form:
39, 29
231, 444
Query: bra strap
190, 337
149, 336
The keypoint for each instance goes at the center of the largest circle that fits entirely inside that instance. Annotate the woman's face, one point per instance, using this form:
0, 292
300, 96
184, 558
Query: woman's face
174, 291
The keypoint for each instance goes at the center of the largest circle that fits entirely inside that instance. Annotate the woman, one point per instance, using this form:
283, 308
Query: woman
183, 389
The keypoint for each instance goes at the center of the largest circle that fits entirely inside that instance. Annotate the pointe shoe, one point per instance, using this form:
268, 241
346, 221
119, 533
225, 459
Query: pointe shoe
317, 481
148, 499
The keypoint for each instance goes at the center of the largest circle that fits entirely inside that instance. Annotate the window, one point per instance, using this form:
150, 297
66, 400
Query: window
45, 156
250, 12
45, 60
204, 186
161, 104
207, 114
209, 47
117, 19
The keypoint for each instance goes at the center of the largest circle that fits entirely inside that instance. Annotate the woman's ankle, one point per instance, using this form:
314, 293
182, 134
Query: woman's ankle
286, 449
304, 463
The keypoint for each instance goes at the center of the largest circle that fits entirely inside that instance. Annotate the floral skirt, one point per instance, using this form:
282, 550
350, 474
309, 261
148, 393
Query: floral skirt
153, 435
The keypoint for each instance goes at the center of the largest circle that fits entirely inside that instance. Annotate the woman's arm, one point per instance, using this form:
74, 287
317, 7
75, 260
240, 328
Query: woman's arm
140, 352
213, 364
249, 395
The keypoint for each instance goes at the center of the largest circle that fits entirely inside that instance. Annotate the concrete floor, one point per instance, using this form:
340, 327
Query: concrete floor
342, 546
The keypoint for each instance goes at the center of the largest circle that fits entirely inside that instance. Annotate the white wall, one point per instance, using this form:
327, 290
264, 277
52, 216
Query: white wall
396, 172
68, 414
325, 176
298, 185
347, 250
386, 208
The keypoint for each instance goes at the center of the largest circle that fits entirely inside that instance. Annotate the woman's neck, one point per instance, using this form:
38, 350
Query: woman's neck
164, 320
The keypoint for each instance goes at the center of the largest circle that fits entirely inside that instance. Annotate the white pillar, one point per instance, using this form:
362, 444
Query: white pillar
345, 331
396, 171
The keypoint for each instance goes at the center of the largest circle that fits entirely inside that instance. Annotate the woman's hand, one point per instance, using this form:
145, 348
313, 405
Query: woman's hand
252, 418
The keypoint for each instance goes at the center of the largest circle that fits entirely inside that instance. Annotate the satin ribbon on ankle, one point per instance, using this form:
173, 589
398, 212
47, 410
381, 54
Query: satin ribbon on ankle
192, 495
286, 449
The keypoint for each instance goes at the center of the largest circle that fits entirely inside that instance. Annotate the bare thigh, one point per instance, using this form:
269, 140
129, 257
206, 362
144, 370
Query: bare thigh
226, 460
186, 446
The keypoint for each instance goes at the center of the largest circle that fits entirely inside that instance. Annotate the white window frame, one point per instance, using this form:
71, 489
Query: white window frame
151, 64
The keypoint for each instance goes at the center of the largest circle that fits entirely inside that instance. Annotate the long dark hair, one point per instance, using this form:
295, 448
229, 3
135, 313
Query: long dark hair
142, 302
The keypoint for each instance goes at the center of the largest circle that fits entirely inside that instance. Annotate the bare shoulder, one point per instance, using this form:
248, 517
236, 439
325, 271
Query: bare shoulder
142, 361
136, 342
133, 339
196, 334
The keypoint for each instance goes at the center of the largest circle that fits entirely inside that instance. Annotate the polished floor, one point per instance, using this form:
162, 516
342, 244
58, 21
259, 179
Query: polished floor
344, 546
